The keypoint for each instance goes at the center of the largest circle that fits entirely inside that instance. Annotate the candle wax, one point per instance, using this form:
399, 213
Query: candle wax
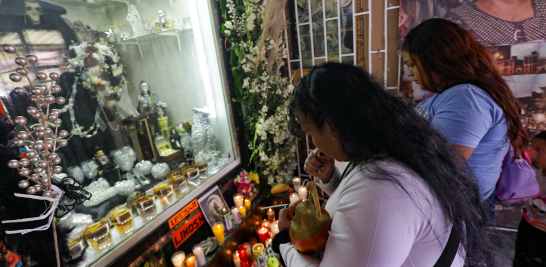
270, 215
247, 204
263, 234
200, 254
238, 199
236, 259
294, 197
242, 210
218, 230
236, 215
275, 228
190, 261
178, 259
302, 192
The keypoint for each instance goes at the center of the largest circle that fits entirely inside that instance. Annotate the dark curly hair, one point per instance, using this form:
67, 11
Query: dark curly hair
369, 121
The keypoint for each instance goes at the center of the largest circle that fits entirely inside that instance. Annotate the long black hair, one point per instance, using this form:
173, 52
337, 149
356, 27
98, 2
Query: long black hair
369, 121
444, 48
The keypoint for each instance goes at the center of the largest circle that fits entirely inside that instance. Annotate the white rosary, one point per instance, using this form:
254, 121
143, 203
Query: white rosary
76, 128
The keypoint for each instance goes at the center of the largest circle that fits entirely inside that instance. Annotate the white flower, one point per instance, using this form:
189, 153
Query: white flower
228, 32
250, 22
229, 25
245, 82
264, 109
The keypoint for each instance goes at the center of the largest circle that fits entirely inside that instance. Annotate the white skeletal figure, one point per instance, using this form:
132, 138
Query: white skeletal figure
33, 12
162, 18
134, 18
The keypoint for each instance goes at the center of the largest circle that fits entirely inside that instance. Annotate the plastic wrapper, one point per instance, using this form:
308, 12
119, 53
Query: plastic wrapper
77, 173
90, 169
203, 141
160, 171
124, 157
126, 187
144, 167
100, 191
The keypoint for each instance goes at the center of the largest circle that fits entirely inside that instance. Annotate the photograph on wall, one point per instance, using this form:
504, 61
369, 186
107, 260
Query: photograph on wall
211, 203
483, 18
514, 37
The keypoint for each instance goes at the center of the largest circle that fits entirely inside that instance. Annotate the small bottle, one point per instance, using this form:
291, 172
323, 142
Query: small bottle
226, 219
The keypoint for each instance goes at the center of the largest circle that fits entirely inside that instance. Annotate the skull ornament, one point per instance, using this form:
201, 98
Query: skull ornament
33, 11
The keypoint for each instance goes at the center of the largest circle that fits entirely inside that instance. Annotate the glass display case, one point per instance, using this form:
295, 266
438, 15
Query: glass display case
146, 108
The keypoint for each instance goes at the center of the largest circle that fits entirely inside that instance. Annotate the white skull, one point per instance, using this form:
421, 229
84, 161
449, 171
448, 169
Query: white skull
145, 88
161, 13
33, 11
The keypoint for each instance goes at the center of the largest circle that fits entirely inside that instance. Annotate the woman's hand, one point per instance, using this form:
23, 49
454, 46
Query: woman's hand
285, 220
319, 165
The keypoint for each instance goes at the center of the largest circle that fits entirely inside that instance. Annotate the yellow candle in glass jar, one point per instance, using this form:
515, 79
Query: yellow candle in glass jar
242, 210
247, 204
218, 230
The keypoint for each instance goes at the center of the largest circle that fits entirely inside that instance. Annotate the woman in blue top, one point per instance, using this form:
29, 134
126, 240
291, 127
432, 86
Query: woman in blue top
473, 106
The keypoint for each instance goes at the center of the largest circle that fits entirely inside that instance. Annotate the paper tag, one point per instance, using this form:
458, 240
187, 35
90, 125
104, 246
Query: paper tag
229, 158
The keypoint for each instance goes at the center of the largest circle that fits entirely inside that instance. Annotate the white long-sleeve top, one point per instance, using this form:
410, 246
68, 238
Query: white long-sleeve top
376, 224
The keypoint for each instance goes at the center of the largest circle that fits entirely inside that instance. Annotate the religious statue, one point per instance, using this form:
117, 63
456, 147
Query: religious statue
145, 101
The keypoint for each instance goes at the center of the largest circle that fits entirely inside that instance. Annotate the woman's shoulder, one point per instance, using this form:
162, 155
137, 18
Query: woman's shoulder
467, 93
391, 178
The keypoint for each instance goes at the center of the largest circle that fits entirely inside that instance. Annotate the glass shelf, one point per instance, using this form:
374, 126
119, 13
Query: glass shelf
120, 244
136, 41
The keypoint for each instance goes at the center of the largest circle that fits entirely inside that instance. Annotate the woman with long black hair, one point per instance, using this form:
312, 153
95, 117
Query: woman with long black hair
473, 106
405, 199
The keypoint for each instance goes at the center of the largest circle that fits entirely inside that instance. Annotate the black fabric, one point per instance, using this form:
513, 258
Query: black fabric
282, 237
450, 250
530, 243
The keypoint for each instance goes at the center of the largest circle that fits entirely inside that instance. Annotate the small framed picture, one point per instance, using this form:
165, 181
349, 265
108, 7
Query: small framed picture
211, 203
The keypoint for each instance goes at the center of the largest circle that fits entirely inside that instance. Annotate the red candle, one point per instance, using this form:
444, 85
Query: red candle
263, 234
243, 255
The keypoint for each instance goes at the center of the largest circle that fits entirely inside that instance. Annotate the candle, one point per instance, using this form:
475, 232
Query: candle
178, 258
247, 204
190, 260
263, 234
302, 192
268, 241
274, 228
243, 256
270, 215
294, 197
236, 259
266, 223
238, 199
258, 251
236, 215
218, 230
200, 254
242, 210
296, 181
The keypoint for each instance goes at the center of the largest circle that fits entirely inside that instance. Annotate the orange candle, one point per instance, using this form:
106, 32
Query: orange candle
242, 210
247, 204
218, 231
190, 260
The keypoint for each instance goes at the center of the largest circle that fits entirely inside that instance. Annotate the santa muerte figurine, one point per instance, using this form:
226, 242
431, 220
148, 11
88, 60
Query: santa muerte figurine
107, 169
